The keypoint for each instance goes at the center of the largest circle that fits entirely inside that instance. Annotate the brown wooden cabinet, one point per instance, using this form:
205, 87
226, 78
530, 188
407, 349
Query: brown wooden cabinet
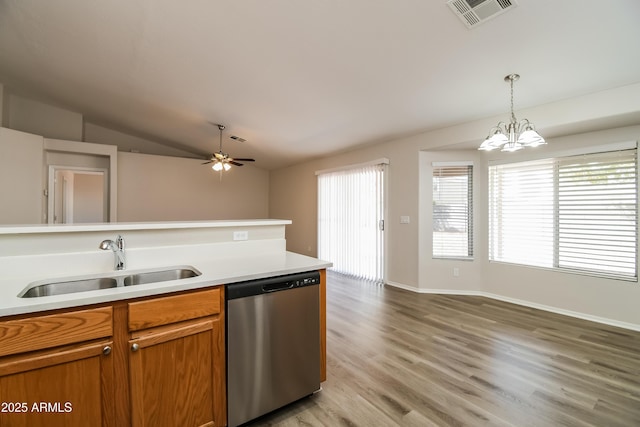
177, 361
153, 362
57, 370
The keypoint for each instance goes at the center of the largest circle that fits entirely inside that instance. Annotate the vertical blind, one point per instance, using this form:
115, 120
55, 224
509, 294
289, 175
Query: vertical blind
452, 210
350, 215
575, 213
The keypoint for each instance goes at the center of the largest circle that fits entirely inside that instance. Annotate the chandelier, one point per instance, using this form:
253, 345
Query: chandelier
515, 135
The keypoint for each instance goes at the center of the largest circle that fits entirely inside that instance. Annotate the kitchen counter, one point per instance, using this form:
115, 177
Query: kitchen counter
211, 247
123, 351
124, 226
214, 272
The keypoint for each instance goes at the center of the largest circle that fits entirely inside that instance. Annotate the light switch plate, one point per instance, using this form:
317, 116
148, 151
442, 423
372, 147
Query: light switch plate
404, 219
240, 235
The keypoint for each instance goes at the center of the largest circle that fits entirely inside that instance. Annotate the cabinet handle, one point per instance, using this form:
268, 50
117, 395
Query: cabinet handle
135, 347
106, 350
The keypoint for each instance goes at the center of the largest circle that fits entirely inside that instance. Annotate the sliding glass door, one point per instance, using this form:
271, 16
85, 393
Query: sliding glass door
351, 220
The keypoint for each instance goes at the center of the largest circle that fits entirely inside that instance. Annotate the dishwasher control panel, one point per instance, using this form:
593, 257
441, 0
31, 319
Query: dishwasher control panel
272, 284
305, 281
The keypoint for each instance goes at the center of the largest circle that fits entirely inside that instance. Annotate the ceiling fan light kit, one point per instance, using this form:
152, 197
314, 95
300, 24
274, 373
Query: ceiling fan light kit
515, 135
221, 160
218, 166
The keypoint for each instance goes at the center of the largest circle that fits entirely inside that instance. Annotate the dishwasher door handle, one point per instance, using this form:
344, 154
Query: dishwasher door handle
277, 286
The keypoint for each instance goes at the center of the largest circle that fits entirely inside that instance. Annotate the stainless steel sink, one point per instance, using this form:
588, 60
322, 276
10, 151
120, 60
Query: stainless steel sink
160, 276
69, 287
72, 285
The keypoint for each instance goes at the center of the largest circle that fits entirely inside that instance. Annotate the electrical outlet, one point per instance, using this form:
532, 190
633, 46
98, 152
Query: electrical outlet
240, 235
456, 272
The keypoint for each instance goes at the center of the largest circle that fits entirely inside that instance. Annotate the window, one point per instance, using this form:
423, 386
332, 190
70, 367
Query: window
452, 210
575, 213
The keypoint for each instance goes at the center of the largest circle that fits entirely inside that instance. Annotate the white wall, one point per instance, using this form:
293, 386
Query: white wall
20, 177
88, 198
125, 142
409, 245
292, 195
159, 188
150, 187
43, 119
162, 188
20, 112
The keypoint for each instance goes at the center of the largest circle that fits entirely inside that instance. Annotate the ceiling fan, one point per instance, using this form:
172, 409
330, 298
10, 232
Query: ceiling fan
221, 160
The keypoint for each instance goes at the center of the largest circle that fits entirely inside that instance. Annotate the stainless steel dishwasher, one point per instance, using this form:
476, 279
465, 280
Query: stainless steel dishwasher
273, 344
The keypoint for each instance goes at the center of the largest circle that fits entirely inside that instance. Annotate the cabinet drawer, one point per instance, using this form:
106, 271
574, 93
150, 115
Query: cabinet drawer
177, 308
37, 333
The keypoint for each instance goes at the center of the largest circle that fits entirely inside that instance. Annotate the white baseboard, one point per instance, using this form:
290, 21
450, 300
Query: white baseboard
405, 287
576, 314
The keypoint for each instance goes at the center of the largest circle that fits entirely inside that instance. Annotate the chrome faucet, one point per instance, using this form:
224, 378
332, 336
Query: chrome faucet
118, 251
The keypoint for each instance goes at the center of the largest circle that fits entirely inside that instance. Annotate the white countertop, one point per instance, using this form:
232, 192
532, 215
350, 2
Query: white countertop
214, 272
123, 226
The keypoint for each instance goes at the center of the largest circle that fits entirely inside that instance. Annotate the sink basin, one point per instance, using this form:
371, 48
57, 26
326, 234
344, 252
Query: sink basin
160, 276
72, 285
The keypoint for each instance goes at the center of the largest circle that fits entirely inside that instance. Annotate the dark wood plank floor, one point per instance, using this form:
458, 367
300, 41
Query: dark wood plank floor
406, 359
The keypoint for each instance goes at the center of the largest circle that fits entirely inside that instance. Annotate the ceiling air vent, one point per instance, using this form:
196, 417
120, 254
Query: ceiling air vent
237, 138
475, 12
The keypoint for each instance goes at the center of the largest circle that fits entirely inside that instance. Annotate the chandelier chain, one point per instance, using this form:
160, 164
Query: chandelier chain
513, 115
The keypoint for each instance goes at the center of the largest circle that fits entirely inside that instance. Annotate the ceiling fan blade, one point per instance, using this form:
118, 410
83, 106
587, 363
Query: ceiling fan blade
233, 162
244, 160
206, 163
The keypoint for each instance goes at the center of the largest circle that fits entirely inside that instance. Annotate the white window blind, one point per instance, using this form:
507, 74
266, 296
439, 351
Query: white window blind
521, 218
350, 220
575, 213
452, 210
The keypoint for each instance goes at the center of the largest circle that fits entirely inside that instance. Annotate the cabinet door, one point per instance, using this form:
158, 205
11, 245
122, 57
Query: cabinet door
72, 386
177, 375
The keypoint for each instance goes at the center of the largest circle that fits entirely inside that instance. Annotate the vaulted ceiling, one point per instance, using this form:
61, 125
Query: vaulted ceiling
300, 79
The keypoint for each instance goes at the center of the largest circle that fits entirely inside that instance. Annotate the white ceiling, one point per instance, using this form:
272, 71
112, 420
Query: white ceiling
301, 79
